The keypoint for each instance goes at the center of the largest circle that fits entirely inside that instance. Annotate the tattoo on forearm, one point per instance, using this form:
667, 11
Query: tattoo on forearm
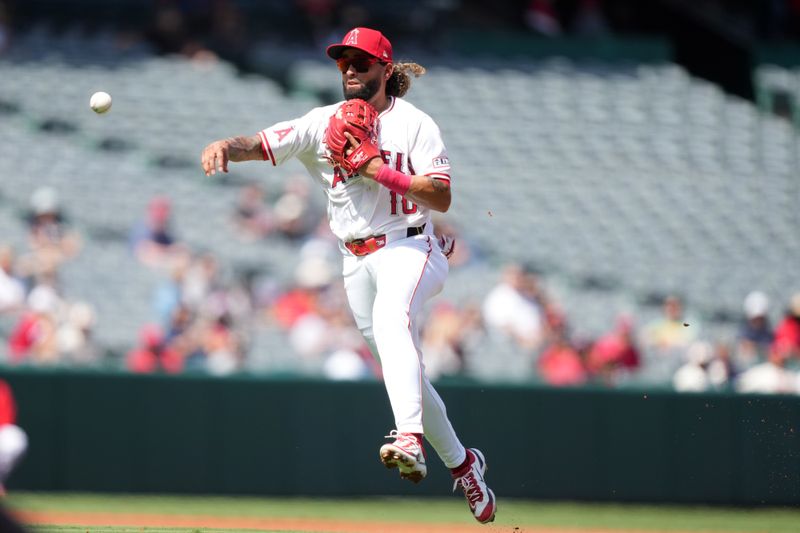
245, 148
423, 197
438, 185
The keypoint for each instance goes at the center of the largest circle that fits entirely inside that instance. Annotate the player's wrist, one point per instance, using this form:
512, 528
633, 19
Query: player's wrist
371, 168
394, 180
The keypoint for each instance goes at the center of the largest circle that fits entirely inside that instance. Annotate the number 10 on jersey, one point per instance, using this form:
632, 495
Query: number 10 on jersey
408, 207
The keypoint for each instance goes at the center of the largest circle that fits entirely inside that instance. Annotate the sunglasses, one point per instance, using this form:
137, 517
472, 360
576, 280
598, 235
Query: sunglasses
362, 63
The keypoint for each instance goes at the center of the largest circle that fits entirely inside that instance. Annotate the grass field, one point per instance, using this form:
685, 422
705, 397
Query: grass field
73, 513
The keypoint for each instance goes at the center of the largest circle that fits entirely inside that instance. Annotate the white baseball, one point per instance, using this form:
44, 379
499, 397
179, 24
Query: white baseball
100, 102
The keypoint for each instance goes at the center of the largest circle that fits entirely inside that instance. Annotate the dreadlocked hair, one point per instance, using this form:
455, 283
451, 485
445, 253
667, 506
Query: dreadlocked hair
400, 81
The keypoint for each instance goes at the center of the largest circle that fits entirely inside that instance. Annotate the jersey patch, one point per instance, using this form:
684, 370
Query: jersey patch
440, 162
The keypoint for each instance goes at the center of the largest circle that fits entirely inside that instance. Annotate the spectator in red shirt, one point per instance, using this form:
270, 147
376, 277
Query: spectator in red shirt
34, 335
153, 354
787, 334
313, 276
560, 364
13, 440
614, 352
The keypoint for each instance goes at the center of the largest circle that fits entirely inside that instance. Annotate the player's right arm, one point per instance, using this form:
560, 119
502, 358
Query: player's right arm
276, 144
216, 155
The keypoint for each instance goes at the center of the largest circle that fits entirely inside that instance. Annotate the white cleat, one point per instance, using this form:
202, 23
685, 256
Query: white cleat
480, 497
405, 453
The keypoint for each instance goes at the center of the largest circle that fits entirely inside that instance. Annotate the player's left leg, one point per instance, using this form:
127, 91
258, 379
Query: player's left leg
13, 445
408, 273
360, 275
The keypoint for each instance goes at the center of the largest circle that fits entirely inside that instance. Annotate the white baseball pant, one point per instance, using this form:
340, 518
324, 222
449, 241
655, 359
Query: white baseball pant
13, 445
386, 291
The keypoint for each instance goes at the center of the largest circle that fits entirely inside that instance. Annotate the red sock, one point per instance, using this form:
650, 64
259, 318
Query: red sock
461, 469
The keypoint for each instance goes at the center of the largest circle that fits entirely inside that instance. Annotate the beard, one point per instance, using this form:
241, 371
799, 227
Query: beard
365, 92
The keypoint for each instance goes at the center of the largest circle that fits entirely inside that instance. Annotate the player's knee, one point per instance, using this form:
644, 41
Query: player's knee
389, 320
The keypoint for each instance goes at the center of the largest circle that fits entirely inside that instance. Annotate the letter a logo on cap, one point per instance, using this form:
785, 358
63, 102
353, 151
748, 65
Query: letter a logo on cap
352, 37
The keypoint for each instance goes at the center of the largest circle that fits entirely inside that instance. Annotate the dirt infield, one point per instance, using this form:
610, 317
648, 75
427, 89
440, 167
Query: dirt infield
217, 522
138, 520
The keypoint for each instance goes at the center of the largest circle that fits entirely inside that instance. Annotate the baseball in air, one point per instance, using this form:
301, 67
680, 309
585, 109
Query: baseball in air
100, 102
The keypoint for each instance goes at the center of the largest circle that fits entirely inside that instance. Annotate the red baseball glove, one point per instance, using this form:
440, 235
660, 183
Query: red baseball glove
359, 119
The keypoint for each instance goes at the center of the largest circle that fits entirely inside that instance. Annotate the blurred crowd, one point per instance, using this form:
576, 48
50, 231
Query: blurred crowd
207, 319
201, 27
207, 29
50, 327
772, 20
204, 319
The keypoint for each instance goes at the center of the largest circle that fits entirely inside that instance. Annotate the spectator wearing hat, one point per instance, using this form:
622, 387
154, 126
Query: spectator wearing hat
755, 333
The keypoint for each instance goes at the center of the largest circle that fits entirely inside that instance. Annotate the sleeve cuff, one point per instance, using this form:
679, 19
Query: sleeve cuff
266, 150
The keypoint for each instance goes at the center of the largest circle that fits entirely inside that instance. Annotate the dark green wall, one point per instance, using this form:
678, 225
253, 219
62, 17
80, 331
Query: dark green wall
114, 432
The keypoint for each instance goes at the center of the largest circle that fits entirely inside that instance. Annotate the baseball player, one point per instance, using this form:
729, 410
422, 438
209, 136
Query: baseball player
13, 440
384, 168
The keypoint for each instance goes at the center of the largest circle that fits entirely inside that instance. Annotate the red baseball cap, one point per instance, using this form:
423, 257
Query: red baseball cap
367, 40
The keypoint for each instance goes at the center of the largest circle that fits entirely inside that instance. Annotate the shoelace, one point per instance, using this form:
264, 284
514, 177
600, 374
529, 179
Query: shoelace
471, 488
403, 440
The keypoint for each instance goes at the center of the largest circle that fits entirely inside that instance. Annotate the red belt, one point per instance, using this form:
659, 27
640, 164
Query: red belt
366, 246
361, 247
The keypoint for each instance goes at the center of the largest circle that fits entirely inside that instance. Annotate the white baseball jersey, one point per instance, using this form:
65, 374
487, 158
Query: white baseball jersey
358, 207
386, 289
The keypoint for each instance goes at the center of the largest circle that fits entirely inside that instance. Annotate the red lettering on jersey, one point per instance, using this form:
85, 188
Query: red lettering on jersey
338, 177
283, 133
398, 163
386, 155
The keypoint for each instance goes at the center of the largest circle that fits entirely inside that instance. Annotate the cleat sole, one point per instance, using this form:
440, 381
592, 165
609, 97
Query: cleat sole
409, 468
